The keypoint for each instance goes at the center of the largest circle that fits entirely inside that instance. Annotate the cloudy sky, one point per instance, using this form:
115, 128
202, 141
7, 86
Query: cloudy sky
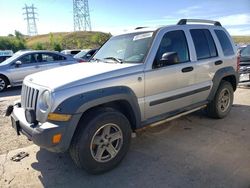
117, 16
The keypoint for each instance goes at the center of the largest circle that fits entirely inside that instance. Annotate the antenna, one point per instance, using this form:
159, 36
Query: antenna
81, 15
30, 16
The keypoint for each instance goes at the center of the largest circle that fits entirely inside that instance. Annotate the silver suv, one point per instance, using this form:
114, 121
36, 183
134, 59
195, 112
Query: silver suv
22, 63
135, 79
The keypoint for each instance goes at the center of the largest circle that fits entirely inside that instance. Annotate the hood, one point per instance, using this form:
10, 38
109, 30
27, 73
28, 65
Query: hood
71, 75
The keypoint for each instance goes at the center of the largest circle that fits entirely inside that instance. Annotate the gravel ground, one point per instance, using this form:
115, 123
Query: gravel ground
8, 138
192, 151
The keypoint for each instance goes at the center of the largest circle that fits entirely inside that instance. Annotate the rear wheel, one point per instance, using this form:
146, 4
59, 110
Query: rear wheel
101, 141
3, 83
221, 105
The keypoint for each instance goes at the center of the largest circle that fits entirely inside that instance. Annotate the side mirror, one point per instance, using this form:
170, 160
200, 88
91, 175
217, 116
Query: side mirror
18, 63
169, 58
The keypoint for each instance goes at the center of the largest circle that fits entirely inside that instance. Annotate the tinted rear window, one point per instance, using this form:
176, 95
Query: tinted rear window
204, 43
224, 42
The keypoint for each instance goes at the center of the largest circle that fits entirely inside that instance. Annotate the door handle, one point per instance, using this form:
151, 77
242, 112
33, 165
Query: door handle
187, 69
219, 62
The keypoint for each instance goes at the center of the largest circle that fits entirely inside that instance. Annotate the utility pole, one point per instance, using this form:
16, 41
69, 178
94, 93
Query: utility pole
81, 15
30, 16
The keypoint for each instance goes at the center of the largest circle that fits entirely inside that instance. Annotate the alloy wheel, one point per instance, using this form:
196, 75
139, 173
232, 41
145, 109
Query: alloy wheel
106, 142
224, 100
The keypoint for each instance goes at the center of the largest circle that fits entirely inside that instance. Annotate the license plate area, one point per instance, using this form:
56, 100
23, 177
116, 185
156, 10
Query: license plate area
244, 77
16, 125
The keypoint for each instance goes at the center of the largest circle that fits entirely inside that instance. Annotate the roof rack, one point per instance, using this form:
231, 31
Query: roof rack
140, 28
184, 21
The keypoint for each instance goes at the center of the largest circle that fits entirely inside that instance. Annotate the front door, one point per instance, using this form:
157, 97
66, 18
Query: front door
29, 65
170, 86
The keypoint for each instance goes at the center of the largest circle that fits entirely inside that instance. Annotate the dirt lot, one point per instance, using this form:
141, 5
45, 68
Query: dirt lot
8, 138
193, 151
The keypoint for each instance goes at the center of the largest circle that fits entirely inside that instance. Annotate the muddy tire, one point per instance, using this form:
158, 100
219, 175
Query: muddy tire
221, 105
101, 141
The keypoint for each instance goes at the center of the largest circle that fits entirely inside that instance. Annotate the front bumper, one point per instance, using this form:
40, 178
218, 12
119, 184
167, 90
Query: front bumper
42, 134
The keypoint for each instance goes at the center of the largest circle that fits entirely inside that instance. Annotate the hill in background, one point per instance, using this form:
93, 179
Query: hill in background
241, 39
68, 40
54, 41
72, 40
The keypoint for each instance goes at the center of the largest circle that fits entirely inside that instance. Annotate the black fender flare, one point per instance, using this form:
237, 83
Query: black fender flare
77, 105
219, 75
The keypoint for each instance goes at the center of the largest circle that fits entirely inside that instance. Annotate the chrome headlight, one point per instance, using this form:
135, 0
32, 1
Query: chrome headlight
45, 101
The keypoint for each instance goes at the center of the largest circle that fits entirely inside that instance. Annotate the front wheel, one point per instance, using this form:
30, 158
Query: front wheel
221, 105
3, 83
101, 141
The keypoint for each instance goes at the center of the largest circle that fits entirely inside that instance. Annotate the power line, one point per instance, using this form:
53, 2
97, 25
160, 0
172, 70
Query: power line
30, 16
81, 15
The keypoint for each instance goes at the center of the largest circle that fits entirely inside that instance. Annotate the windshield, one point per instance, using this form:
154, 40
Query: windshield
9, 60
80, 54
128, 48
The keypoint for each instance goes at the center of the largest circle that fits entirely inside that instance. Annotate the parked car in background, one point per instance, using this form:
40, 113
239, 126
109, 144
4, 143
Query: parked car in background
240, 48
85, 55
245, 65
5, 54
71, 52
23, 63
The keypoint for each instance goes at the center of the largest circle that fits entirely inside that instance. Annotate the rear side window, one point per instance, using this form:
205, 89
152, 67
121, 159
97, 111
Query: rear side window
204, 43
224, 42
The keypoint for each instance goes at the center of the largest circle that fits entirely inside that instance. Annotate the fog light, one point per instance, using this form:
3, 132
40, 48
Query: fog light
56, 138
30, 116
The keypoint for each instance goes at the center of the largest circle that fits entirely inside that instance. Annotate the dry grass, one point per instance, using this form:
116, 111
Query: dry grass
241, 39
70, 40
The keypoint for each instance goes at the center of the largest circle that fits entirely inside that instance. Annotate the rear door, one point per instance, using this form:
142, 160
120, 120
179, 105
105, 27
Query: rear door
206, 56
52, 60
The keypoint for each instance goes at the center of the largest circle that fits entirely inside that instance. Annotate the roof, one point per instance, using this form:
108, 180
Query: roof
181, 23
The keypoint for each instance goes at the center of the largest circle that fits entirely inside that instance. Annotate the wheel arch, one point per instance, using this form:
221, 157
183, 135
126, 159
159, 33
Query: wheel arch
7, 79
226, 74
119, 98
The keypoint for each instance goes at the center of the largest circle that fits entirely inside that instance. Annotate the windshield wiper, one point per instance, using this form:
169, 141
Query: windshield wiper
115, 59
96, 59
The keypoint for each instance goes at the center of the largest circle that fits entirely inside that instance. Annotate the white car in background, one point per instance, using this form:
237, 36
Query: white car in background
5, 54
23, 63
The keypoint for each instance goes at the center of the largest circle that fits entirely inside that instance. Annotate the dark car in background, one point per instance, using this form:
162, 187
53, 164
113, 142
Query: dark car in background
245, 65
85, 55
71, 52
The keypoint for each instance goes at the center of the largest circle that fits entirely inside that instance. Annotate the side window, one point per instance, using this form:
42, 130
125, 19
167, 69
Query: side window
172, 42
47, 57
224, 42
58, 57
27, 59
204, 43
74, 52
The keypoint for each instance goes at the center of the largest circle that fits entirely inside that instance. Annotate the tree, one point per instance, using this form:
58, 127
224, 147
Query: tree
19, 35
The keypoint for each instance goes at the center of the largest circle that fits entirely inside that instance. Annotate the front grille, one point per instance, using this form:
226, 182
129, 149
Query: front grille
29, 97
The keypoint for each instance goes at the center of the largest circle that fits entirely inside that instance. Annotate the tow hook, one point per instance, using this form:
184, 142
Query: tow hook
10, 108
